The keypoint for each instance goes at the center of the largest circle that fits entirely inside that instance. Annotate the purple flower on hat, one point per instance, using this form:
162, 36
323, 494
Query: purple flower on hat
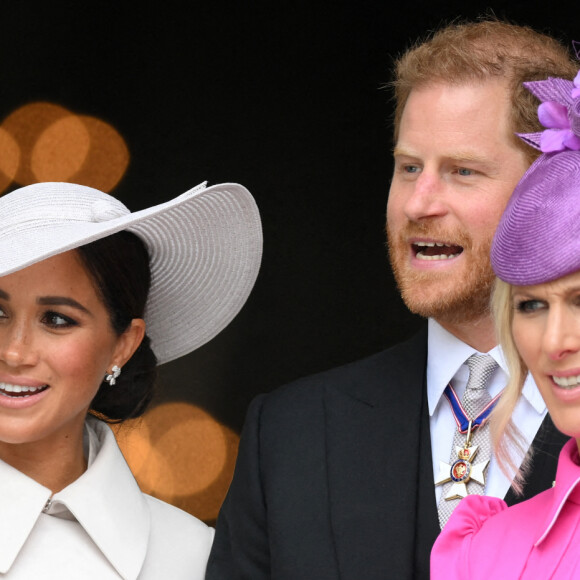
559, 112
576, 89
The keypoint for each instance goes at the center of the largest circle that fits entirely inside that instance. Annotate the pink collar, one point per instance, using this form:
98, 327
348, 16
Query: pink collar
566, 485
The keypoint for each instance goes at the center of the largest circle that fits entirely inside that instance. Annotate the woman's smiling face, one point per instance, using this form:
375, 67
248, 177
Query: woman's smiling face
56, 344
546, 331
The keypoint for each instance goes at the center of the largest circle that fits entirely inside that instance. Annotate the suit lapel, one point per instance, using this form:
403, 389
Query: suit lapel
373, 427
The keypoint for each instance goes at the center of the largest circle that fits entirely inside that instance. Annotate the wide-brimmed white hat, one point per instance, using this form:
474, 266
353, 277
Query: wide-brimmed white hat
205, 247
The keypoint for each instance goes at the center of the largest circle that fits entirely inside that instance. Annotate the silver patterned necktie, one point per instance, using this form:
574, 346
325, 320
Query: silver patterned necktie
475, 400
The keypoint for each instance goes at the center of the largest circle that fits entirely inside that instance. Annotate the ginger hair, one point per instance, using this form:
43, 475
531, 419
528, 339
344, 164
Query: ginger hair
477, 51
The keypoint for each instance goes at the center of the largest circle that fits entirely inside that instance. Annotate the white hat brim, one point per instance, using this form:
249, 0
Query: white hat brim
205, 248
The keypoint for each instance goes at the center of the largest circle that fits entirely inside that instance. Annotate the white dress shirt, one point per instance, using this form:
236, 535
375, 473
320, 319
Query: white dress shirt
99, 527
446, 356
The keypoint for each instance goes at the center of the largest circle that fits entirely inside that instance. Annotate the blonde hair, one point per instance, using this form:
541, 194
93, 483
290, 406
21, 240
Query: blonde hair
504, 433
468, 52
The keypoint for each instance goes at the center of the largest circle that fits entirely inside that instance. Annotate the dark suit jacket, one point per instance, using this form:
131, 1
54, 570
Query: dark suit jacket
334, 477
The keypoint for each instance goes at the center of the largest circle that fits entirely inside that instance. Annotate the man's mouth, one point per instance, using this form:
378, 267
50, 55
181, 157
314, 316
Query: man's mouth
8, 390
435, 250
567, 382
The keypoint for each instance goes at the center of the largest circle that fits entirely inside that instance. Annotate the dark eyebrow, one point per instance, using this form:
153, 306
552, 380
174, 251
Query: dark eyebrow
59, 301
52, 301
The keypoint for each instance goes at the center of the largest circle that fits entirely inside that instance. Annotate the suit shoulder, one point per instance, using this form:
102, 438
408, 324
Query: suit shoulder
366, 371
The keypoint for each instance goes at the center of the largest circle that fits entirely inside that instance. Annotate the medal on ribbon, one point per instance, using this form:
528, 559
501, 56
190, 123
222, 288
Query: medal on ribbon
463, 469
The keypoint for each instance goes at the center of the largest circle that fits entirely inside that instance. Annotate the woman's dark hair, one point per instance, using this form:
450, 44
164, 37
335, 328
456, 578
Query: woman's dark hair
119, 267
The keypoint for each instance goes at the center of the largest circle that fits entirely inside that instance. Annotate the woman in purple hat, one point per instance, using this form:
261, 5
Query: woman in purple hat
536, 303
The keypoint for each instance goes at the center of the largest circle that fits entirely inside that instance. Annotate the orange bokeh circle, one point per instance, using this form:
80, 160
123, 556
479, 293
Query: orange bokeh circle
46, 142
60, 150
180, 454
9, 158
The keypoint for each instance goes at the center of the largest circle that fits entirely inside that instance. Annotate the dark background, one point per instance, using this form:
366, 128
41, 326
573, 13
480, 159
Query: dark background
283, 97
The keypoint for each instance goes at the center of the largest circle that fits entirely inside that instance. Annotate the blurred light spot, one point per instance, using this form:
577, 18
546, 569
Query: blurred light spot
181, 455
194, 443
26, 124
107, 159
9, 158
133, 439
60, 150
46, 142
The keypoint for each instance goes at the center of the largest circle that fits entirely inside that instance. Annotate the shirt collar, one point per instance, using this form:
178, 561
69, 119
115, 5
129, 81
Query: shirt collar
105, 500
445, 355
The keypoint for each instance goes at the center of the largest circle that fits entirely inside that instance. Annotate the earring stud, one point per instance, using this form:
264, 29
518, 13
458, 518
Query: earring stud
112, 378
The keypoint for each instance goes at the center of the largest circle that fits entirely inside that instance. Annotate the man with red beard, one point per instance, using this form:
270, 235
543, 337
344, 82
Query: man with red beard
338, 474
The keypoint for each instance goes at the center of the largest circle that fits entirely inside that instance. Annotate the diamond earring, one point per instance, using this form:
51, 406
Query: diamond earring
112, 378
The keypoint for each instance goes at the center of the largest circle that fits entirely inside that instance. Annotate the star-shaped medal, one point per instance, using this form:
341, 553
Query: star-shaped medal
461, 472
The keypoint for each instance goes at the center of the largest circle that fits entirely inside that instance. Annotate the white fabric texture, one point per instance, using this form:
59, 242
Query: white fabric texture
99, 527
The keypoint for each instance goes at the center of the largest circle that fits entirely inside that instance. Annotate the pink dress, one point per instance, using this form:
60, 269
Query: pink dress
536, 539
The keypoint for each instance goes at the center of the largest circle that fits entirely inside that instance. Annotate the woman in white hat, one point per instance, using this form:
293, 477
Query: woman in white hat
92, 299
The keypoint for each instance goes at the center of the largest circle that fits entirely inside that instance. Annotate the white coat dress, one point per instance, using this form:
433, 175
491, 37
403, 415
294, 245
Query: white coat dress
99, 527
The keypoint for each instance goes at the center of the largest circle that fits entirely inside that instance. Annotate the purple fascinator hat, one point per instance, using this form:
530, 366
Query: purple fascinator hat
538, 237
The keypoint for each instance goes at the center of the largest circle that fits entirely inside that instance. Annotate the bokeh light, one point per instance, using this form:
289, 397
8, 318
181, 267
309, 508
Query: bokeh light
180, 454
26, 125
107, 159
60, 150
9, 159
47, 142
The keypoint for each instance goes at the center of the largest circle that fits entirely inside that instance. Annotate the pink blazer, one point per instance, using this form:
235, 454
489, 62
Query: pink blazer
536, 539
